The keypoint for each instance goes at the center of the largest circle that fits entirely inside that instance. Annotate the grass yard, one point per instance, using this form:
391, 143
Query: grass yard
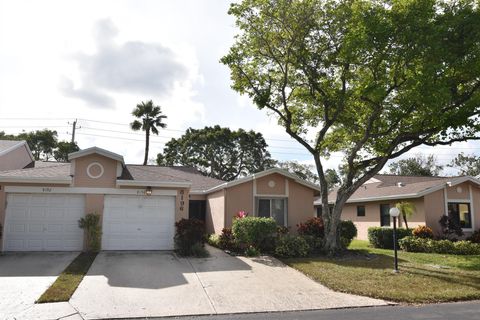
67, 282
423, 277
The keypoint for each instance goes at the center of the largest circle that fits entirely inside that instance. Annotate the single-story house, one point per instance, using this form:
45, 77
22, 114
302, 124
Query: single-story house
40, 206
15, 155
433, 197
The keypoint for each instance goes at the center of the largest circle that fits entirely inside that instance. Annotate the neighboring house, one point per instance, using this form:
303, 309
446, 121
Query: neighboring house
433, 197
40, 206
15, 155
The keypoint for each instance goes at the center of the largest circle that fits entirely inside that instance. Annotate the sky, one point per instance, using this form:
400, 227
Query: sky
95, 60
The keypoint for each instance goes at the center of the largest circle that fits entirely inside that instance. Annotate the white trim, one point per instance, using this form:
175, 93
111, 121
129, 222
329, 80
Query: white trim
445, 198
119, 169
254, 193
95, 150
287, 190
59, 180
61, 190
167, 184
472, 213
458, 200
102, 170
261, 195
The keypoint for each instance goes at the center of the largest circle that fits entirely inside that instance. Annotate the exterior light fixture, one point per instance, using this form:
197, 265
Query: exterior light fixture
148, 192
394, 213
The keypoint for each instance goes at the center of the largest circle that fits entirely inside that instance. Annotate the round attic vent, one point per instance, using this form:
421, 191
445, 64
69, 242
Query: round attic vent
95, 170
459, 189
271, 184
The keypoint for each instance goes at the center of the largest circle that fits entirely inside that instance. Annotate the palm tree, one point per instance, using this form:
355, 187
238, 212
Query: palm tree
407, 209
150, 118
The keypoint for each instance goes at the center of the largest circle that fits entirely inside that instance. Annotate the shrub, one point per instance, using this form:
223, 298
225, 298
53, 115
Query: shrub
227, 240
312, 227
466, 247
281, 230
423, 232
188, 233
347, 231
451, 229
214, 240
381, 237
198, 250
475, 237
414, 244
255, 231
292, 246
251, 251
91, 224
315, 244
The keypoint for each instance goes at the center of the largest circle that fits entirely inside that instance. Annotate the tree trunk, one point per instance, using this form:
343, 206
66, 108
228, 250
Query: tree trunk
405, 220
147, 144
332, 243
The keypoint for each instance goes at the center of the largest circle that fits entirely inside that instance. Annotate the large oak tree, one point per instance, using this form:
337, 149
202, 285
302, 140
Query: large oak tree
370, 79
218, 152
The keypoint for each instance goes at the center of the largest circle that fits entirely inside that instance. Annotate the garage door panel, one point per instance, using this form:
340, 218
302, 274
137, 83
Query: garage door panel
42, 222
138, 223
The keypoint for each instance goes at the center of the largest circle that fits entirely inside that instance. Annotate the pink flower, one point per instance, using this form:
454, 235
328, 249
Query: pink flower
241, 214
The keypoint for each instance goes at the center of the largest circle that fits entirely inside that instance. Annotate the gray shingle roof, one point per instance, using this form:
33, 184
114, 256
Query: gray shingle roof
177, 174
387, 186
7, 144
47, 170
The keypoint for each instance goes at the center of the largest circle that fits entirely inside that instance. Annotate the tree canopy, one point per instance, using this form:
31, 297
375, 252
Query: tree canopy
44, 144
369, 79
466, 164
416, 166
218, 152
303, 171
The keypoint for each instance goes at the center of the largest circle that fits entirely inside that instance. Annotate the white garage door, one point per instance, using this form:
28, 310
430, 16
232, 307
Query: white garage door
138, 223
44, 222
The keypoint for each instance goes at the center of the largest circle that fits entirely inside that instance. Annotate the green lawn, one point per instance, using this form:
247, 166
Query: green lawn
423, 277
67, 282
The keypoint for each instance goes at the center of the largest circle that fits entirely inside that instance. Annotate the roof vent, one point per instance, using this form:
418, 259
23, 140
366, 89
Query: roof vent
400, 184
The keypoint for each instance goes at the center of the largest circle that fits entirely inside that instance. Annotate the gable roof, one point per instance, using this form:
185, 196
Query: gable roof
42, 172
7, 146
190, 177
96, 150
259, 175
389, 187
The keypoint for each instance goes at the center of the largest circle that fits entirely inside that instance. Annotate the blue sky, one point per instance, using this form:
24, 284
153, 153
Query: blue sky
95, 60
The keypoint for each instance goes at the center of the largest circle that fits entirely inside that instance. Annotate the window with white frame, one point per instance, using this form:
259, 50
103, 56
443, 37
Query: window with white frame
273, 207
461, 213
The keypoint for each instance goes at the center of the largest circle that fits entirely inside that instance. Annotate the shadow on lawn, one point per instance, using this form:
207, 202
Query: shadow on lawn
448, 275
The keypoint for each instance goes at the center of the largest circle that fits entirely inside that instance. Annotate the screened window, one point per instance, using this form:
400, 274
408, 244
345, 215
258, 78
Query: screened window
360, 211
385, 215
273, 207
461, 214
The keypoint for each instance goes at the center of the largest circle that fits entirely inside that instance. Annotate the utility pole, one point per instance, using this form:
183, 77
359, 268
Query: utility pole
74, 127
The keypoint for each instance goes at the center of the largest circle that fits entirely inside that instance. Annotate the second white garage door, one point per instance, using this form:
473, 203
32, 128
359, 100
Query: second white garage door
138, 223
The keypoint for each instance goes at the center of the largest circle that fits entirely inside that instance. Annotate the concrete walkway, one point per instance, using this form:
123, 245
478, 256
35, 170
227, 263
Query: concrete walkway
23, 279
155, 284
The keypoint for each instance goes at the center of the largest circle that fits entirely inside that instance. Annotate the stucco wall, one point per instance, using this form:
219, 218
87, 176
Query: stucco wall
372, 215
300, 204
476, 207
81, 178
238, 198
276, 187
452, 192
15, 159
215, 215
434, 209
181, 206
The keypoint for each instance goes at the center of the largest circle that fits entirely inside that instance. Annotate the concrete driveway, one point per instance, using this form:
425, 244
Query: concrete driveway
23, 279
148, 284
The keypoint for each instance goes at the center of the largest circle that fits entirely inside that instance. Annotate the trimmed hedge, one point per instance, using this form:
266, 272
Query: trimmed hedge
257, 232
413, 244
382, 237
292, 246
348, 231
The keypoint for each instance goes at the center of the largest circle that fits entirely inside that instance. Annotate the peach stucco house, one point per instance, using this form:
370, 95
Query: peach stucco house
432, 197
40, 206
